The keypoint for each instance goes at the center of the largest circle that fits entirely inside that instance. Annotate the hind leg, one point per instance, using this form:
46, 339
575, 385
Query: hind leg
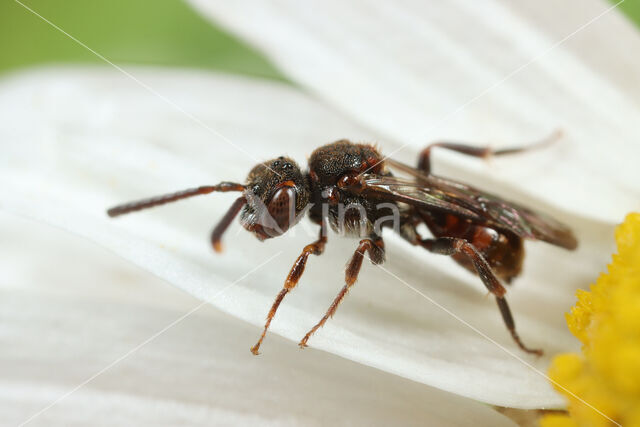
424, 160
452, 246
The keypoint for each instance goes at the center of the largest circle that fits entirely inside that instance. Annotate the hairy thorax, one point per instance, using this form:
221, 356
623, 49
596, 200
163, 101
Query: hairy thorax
347, 213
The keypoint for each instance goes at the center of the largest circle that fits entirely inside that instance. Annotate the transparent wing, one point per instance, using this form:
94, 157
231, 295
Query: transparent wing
433, 192
415, 194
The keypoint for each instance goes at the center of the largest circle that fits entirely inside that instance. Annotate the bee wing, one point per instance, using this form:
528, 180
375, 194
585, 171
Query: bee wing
476, 205
415, 194
528, 223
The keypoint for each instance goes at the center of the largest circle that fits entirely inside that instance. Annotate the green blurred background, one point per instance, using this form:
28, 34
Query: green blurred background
160, 32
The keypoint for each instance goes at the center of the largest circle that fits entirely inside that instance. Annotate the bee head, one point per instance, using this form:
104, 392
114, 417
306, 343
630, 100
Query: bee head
277, 192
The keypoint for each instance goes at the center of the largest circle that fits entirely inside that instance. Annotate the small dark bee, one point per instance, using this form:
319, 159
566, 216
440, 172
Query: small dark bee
349, 187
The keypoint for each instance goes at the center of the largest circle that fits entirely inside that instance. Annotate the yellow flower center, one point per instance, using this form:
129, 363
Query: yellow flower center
606, 319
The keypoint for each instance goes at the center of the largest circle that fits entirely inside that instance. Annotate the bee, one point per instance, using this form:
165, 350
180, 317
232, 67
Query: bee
350, 188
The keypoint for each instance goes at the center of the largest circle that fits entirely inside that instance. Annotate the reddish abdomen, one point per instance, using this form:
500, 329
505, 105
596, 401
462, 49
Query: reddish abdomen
503, 250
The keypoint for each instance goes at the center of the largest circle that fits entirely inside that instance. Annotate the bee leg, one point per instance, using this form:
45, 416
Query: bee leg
315, 248
451, 246
424, 160
375, 247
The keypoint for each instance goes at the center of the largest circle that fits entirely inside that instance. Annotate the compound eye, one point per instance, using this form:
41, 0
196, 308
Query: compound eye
281, 209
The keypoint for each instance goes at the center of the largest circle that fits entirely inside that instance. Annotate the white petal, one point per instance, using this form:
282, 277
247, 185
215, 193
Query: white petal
423, 71
62, 325
76, 142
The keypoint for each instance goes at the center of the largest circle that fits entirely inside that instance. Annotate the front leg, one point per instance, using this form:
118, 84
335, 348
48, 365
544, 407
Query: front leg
451, 246
315, 248
375, 247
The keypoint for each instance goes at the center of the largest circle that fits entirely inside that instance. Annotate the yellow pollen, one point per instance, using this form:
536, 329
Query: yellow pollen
606, 319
